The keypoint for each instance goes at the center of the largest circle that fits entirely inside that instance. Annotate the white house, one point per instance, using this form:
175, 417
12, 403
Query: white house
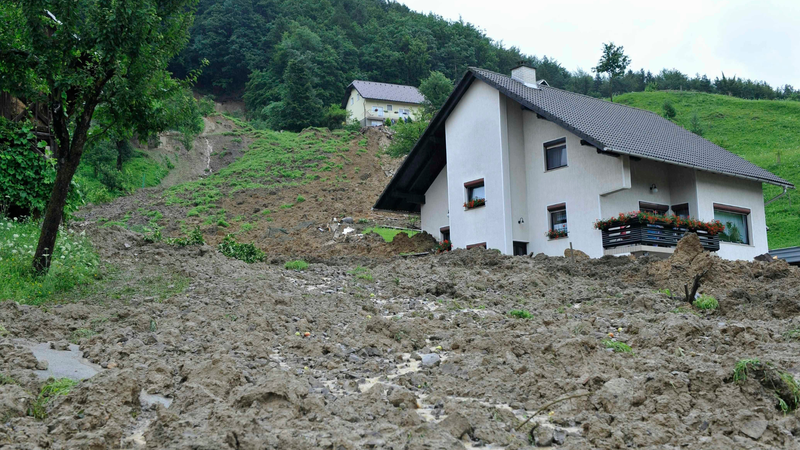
371, 103
546, 159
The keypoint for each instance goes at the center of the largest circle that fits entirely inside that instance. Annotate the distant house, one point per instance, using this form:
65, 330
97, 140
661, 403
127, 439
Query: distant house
371, 103
512, 164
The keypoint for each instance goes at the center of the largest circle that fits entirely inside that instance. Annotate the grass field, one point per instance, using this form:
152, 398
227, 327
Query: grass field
761, 131
388, 234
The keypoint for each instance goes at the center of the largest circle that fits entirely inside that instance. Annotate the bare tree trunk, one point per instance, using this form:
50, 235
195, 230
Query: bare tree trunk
53, 215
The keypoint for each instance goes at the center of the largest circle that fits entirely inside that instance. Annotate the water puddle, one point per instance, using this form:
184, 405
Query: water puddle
64, 363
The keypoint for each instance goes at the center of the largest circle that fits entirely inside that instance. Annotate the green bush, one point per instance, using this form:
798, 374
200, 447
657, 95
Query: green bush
296, 265
335, 117
248, 253
206, 105
26, 176
706, 302
300, 199
195, 237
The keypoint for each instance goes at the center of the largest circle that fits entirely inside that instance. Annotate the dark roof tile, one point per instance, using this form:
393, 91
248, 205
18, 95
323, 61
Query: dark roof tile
387, 92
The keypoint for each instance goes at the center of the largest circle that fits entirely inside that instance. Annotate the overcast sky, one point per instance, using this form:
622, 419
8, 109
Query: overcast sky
751, 39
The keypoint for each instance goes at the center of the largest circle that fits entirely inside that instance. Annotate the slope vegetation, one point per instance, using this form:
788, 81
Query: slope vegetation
762, 131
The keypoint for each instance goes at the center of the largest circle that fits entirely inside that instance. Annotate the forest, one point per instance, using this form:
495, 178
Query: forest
252, 44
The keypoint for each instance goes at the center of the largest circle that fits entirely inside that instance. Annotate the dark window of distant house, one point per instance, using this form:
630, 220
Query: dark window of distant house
558, 217
735, 220
388, 107
681, 211
556, 153
520, 248
445, 232
475, 190
653, 208
481, 245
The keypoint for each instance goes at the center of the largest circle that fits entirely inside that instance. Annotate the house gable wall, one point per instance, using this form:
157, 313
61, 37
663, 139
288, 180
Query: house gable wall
434, 212
361, 109
475, 147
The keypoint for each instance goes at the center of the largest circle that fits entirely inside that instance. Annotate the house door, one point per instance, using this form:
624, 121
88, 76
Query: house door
520, 248
378, 111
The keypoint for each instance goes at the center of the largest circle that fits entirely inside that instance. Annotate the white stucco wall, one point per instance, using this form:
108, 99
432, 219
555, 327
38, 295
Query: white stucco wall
434, 212
713, 188
475, 150
644, 173
683, 187
579, 184
361, 108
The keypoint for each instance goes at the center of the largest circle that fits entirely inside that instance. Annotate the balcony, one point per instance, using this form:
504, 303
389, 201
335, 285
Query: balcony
646, 238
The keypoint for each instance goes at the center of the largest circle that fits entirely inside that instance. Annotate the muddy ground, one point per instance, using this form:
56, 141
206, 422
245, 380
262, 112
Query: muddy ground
409, 353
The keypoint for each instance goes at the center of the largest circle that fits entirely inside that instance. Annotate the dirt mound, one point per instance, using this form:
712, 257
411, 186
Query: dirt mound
420, 242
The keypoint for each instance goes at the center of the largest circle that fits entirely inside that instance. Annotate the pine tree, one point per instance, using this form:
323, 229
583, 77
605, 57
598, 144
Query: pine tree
301, 108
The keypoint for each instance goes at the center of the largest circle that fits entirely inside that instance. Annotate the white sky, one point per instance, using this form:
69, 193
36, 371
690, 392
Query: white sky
751, 39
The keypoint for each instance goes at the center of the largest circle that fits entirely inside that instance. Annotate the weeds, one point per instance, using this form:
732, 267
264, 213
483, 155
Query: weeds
5, 379
793, 334
3, 331
520, 314
81, 333
195, 237
48, 393
299, 199
296, 265
684, 310
618, 347
248, 253
706, 302
73, 263
742, 367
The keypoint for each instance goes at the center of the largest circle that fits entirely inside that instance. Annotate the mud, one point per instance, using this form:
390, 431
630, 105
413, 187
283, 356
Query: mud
421, 354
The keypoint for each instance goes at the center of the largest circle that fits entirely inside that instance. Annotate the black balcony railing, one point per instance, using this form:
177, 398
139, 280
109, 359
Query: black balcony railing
654, 235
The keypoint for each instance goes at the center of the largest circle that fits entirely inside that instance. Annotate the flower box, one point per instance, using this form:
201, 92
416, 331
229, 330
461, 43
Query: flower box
478, 202
444, 246
639, 217
556, 234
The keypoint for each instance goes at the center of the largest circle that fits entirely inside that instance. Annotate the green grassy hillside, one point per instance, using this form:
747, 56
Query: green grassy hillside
762, 131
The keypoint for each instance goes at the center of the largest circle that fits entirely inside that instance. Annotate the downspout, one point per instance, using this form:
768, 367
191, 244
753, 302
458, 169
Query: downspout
785, 190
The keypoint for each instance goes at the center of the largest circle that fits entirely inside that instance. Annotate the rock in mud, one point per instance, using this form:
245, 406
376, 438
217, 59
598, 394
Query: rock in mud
753, 427
430, 359
401, 396
615, 396
576, 254
456, 424
543, 436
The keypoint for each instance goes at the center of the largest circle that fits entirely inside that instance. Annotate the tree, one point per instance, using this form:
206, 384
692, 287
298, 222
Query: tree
300, 105
436, 89
694, 125
613, 62
405, 137
76, 56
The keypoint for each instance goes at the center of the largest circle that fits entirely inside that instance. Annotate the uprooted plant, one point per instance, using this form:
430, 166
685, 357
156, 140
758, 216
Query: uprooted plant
783, 385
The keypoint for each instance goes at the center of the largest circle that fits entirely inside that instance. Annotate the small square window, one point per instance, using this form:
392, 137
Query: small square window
520, 248
558, 220
481, 245
681, 211
388, 107
476, 193
352, 101
555, 153
735, 221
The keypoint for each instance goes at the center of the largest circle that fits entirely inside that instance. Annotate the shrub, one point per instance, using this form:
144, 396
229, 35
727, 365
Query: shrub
195, 237
706, 302
520, 314
300, 199
246, 252
619, 347
296, 265
26, 176
669, 110
205, 105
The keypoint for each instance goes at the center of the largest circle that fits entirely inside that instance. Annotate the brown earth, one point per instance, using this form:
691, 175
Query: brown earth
403, 352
